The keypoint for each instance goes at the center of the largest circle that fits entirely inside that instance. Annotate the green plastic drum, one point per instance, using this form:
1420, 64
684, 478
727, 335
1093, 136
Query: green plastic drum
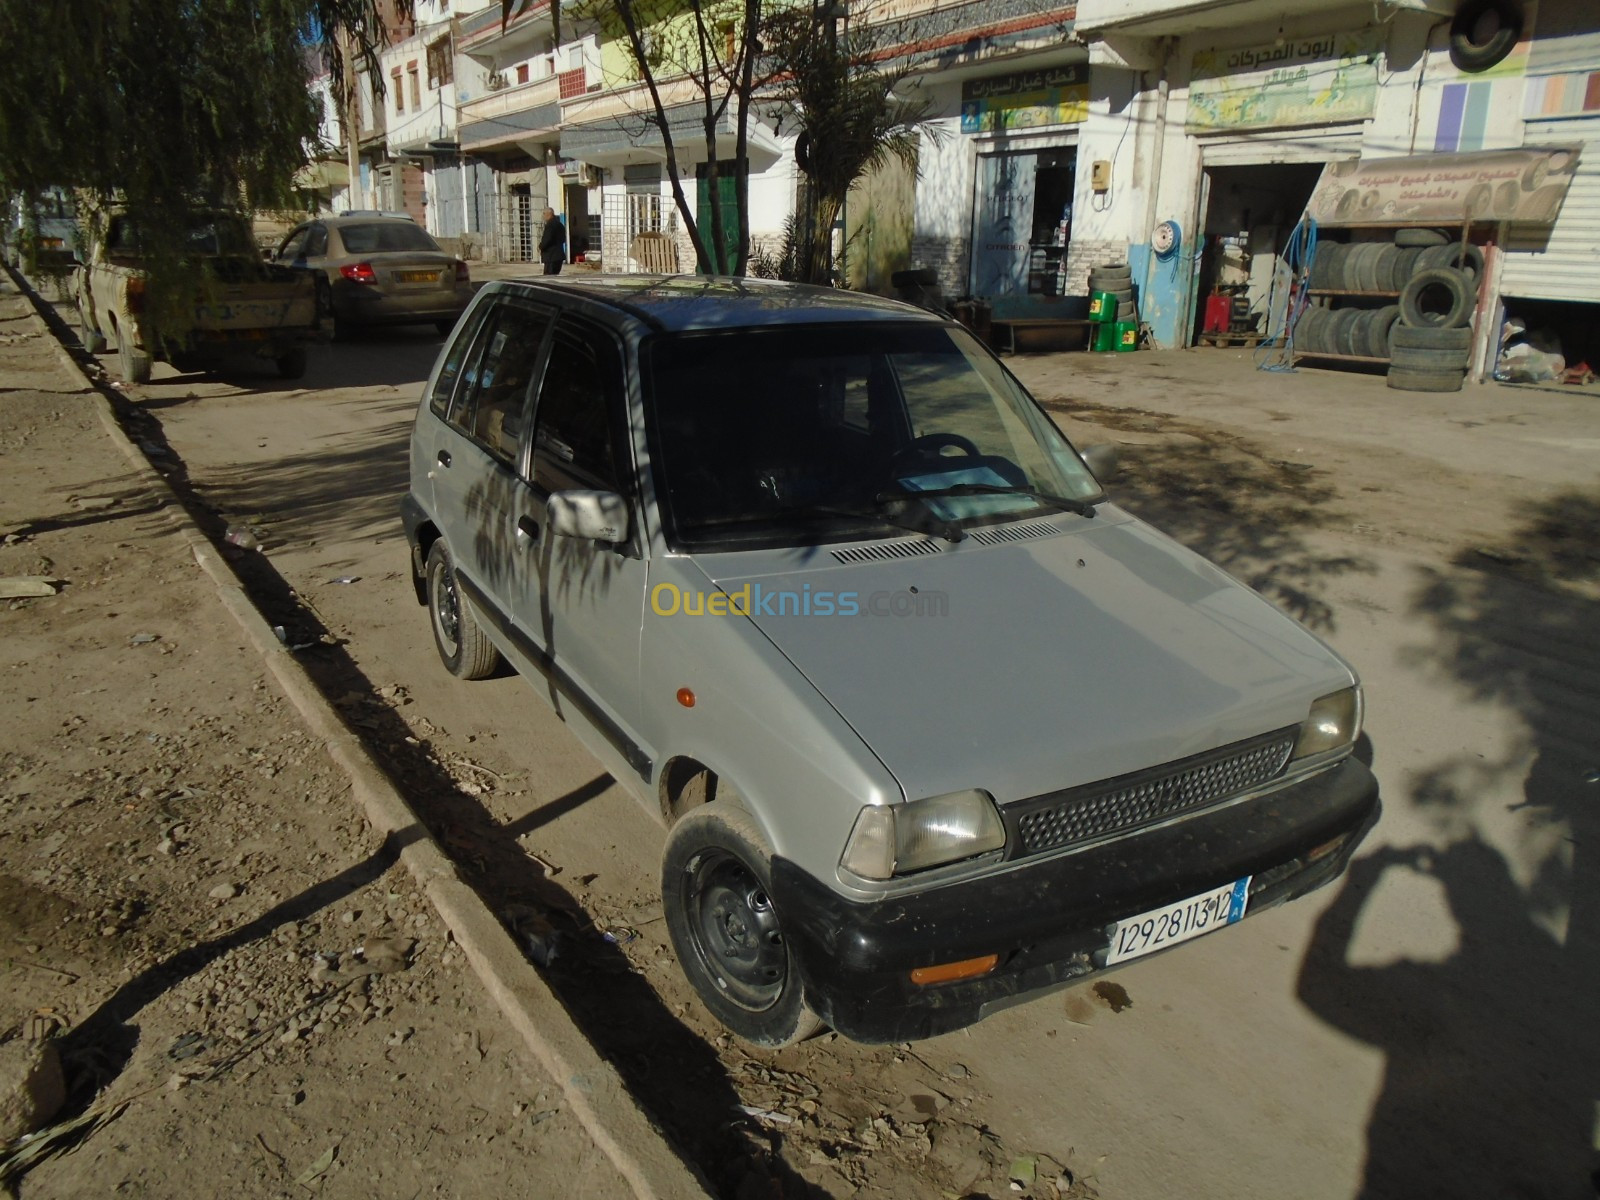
1126, 335
1102, 306
1105, 335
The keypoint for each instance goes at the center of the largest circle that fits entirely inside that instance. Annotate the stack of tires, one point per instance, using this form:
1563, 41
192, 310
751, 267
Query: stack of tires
1116, 278
1430, 344
1357, 332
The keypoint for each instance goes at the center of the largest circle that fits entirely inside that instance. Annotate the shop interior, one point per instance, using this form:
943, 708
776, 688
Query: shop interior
1250, 214
1565, 335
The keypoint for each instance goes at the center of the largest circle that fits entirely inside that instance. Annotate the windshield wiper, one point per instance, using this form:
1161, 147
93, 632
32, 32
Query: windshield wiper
945, 529
1082, 507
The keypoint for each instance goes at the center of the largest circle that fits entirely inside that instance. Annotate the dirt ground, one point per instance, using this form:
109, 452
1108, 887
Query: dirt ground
1309, 488
186, 890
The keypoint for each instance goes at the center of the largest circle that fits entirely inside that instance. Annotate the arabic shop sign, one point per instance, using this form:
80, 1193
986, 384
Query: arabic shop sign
1492, 185
1307, 81
1025, 100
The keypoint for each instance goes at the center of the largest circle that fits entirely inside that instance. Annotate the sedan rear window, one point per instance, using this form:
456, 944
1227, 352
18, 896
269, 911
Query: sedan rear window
385, 235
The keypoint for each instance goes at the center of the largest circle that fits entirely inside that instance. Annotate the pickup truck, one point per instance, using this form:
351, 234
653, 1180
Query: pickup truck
246, 307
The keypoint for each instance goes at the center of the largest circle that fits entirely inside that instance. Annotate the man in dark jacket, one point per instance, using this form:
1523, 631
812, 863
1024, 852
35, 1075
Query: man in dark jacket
552, 243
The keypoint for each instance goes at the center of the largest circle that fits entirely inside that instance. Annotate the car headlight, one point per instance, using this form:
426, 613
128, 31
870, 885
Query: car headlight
896, 839
1333, 724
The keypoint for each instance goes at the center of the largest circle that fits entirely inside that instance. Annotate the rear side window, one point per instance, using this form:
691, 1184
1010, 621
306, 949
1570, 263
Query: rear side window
576, 423
493, 404
295, 244
444, 387
386, 235
317, 243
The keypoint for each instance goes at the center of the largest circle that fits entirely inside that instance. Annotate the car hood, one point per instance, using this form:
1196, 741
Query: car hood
1083, 650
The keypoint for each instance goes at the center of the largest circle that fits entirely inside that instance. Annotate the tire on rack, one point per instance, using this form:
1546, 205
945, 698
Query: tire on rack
1406, 264
1379, 323
1308, 330
1484, 32
1438, 296
1467, 258
1430, 337
1413, 239
1425, 381
1333, 256
1353, 333
1361, 268
464, 650
1383, 269
716, 892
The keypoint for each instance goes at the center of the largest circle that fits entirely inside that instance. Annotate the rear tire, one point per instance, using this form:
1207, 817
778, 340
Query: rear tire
292, 363
463, 649
133, 365
93, 340
716, 879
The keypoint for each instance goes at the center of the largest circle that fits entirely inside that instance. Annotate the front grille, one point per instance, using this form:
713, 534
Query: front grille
1130, 801
878, 551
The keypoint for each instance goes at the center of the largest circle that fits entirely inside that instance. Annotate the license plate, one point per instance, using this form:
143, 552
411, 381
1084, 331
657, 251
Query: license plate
417, 276
1178, 922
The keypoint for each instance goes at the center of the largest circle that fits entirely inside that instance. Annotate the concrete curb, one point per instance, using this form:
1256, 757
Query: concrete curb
599, 1098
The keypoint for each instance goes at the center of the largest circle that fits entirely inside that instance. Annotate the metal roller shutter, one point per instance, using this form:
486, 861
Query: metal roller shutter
1283, 146
1558, 263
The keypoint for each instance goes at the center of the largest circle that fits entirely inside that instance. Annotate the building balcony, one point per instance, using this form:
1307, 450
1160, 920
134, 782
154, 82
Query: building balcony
521, 113
1174, 18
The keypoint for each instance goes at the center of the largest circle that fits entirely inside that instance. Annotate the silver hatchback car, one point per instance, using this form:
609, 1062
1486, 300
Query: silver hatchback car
933, 726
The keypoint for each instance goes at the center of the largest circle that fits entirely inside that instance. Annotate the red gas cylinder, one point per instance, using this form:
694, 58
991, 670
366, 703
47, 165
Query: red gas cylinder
1217, 309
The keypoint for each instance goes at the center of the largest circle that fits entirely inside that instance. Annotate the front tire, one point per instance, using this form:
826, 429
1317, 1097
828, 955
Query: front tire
463, 649
133, 365
716, 892
292, 363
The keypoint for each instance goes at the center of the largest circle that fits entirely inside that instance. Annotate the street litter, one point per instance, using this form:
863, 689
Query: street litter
620, 937
346, 579
19, 587
318, 1168
187, 1045
143, 639
242, 536
765, 1114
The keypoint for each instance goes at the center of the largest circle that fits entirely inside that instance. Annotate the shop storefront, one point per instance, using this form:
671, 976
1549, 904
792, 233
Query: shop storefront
1024, 129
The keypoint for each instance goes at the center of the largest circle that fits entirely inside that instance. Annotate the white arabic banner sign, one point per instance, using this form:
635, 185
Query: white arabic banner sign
1306, 81
1025, 100
1491, 185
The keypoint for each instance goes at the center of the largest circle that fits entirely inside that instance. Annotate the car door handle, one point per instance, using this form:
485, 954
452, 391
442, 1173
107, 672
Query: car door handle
527, 529
444, 458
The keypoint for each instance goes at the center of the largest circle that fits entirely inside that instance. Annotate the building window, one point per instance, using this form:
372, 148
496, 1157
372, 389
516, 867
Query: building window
399, 92
416, 88
441, 64
522, 72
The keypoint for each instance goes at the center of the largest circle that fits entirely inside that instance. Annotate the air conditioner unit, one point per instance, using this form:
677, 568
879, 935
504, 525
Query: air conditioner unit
494, 81
588, 176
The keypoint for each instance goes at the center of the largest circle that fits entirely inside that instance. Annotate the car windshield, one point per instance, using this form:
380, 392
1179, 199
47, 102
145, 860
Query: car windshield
385, 235
204, 234
823, 433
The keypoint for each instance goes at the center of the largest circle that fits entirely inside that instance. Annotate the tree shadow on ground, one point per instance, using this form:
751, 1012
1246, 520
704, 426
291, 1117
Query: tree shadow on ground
1216, 493
1492, 1067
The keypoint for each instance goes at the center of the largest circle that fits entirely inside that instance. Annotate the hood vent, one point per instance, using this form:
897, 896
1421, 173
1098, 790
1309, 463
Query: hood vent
1012, 533
879, 551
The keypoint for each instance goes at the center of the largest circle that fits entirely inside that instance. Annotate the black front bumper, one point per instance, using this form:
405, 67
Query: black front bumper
1049, 920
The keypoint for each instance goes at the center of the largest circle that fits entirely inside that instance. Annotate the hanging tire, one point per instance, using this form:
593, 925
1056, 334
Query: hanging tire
1416, 238
716, 892
1430, 337
1406, 259
1425, 381
1379, 323
462, 647
1484, 32
1438, 296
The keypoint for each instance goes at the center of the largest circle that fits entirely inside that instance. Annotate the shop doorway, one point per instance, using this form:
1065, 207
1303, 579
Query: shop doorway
1023, 222
1250, 213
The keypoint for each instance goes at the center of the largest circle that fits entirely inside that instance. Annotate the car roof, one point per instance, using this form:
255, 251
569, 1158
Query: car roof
676, 303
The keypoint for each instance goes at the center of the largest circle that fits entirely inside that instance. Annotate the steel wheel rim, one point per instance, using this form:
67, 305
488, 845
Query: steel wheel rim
446, 609
736, 933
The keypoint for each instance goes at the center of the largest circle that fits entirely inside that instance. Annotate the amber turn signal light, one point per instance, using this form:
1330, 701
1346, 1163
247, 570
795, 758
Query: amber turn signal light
686, 697
967, 968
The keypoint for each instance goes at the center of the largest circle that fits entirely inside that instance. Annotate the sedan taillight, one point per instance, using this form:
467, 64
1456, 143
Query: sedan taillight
462, 274
359, 273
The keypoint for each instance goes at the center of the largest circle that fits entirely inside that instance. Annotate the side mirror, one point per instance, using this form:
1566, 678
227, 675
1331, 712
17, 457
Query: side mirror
1102, 461
594, 516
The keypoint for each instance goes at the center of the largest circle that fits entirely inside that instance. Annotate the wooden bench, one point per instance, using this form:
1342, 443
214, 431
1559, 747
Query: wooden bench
1020, 335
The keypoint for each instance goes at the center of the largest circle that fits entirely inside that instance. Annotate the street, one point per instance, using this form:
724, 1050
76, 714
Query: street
1423, 1027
